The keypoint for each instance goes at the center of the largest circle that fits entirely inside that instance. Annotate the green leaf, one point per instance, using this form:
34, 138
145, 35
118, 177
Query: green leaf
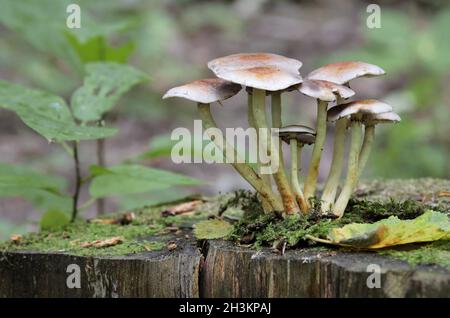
54, 220
159, 146
430, 226
19, 176
41, 23
103, 85
47, 114
97, 49
126, 179
212, 229
43, 191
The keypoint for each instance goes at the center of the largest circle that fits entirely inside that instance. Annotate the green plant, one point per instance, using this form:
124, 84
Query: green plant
51, 117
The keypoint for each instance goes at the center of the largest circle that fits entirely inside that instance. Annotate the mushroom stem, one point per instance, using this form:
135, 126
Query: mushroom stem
321, 131
276, 109
279, 175
251, 123
296, 157
369, 134
276, 123
243, 169
352, 171
330, 189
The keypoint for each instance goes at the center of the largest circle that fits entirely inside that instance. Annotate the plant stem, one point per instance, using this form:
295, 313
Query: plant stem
321, 131
369, 134
243, 169
251, 123
352, 171
276, 123
330, 189
296, 159
259, 113
76, 193
101, 163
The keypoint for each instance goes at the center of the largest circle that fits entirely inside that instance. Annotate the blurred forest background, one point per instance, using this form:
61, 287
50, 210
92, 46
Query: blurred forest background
172, 40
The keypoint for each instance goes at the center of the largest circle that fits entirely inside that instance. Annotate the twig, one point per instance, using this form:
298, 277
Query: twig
101, 163
77, 181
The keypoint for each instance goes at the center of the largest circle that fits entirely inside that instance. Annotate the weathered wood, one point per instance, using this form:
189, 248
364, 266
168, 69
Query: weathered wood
150, 274
228, 271
231, 271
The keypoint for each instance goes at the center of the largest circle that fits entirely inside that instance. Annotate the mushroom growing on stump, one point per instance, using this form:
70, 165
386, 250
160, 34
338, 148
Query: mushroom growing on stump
324, 92
256, 60
355, 111
208, 91
264, 72
262, 79
297, 136
340, 73
370, 121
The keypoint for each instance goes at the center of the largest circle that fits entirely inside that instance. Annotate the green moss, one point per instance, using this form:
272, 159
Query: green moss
70, 239
146, 233
437, 253
365, 211
270, 230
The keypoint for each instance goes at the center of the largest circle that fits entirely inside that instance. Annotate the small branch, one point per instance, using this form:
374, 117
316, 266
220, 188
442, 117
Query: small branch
76, 193
101, 163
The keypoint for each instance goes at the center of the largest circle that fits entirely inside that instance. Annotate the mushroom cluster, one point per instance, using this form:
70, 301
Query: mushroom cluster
271, 74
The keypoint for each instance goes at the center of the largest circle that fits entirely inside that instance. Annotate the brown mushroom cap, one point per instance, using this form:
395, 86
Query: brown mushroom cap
303, 134
324, 90
269, 78
205, 90
343, 72
249, 60
383, 118
366, 106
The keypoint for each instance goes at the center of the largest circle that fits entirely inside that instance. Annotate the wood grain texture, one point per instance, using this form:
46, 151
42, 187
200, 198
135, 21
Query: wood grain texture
150, 274
231, 271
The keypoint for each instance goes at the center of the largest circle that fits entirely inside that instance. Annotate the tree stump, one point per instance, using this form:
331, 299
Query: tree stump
149, 274
231, 271
222, 269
